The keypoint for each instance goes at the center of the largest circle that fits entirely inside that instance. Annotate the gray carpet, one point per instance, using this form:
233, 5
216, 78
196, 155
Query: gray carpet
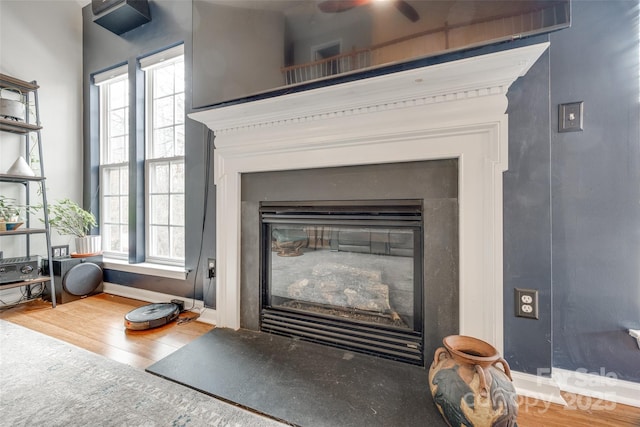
46, 382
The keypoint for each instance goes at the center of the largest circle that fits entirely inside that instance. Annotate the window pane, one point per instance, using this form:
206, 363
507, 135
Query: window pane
166, 186
179, 108
111, 181
177, 242
159, 241
163, 112
111, 235
117, 122
111, 209
159, 178
177, 210
124, 210
118, 93
124, 180
162, 143
159, 209
163, 81
179, 145
177, 177
118, 148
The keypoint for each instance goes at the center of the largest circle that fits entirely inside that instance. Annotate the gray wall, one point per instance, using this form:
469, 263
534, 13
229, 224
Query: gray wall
571, 211
171, 24
527, 219
239, 49
595, 191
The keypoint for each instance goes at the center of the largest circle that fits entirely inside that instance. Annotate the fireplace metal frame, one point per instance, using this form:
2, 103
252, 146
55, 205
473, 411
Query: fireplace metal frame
401, 344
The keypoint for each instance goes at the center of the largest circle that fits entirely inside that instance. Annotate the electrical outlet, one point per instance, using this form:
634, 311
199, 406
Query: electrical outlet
211, 265
526, 301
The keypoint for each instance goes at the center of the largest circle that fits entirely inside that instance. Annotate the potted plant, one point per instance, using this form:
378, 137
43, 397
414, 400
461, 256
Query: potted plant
67, 217
9, 214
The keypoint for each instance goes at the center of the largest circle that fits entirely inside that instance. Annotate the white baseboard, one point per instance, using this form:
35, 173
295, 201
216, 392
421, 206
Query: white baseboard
537, 387
595, 390
207, 315
601, 386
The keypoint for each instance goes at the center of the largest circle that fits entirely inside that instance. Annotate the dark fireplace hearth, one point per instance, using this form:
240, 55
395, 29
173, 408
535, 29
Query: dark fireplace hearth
438, 134
346, 274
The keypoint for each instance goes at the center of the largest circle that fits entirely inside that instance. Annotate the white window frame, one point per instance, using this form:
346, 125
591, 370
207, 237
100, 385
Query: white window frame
104, 80
149, 65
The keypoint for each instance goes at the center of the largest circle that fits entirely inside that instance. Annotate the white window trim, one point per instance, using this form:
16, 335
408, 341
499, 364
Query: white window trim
102, 79
147, 268
110, 75
148, 64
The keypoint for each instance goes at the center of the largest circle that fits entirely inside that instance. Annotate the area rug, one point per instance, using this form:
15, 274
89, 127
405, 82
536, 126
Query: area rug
47, 382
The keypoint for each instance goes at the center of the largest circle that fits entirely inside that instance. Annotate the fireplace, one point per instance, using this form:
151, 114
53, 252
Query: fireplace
453, 110
344, 273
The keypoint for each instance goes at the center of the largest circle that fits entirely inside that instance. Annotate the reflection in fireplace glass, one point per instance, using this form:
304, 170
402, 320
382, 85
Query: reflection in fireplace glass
364, 274
346, 274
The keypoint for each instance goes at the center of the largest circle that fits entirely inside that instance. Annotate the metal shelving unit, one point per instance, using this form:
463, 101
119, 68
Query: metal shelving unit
29, 92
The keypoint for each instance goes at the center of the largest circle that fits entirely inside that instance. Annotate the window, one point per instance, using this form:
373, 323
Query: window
114, 161
164, 153
163, 174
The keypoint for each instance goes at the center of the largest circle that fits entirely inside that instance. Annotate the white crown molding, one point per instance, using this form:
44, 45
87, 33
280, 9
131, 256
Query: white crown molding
469, 78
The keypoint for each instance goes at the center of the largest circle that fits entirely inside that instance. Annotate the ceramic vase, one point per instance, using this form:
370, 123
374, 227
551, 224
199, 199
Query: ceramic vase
89, 245
471, 384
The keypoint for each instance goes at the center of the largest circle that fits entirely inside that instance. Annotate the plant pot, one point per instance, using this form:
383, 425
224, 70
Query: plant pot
88, 245
12, 225
468, 387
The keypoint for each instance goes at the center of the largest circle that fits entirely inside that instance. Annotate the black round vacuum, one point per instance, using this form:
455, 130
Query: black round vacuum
151, 316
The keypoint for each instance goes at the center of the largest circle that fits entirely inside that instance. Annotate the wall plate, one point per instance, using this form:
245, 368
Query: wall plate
526, 303
570, 117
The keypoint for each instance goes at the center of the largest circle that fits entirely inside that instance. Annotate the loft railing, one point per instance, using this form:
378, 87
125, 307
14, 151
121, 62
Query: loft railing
428, 42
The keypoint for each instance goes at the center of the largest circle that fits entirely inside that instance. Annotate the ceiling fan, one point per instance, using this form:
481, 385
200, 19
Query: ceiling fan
334, 6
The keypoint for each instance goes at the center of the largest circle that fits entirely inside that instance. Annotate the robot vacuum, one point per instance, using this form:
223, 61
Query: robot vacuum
151, 316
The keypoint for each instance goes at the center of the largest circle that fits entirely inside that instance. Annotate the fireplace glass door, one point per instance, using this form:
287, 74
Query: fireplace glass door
347, 274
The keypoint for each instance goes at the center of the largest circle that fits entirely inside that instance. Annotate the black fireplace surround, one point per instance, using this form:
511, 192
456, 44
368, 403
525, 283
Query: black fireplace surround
344, 273
431, 185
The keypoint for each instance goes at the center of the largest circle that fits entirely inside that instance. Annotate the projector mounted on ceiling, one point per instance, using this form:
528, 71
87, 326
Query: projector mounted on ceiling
120, 16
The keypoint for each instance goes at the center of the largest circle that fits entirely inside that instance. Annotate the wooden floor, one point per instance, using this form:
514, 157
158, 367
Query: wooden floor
96, 324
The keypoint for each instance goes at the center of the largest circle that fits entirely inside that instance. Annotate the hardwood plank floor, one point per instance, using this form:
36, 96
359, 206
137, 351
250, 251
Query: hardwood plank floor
97, 324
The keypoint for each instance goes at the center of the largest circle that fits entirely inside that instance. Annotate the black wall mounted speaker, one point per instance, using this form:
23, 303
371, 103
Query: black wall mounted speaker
75, 278
120, 16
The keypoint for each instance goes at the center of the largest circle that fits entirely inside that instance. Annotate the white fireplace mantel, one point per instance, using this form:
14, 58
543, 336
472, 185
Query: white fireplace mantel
450, 110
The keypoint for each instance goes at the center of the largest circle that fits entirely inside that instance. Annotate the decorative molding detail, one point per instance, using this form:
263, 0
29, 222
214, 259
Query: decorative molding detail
470, 78
454, 110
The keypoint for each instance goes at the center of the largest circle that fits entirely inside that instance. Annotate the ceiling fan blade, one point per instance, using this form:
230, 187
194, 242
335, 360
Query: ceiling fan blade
333, 6
407, 10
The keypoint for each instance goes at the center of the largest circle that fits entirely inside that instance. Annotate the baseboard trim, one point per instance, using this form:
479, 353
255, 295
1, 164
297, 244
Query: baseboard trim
537, 387
603, 387
207, 315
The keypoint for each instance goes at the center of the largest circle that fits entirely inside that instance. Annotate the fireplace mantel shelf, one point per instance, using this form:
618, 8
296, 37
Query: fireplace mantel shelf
453, 110
469, 78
